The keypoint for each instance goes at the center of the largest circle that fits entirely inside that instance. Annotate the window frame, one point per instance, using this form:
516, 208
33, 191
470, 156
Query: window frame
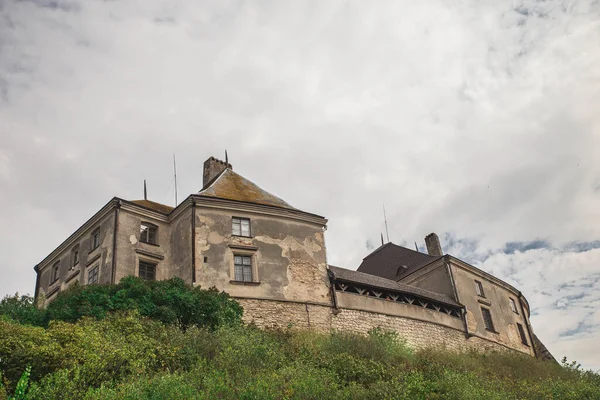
489, 327
479, 288
95, 267
94, 244
150, 227
513, 305
55, 273
244, 266
147, 263
75, 257
521, 331
241, 231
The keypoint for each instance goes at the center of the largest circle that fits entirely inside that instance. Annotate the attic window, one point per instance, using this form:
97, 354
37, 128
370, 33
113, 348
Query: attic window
513, 305
479, 289
95, 239
55, 273
240, 227
148, 233
74, 256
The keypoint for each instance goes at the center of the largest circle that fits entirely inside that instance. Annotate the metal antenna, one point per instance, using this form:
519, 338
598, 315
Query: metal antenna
387, 233
145, 191
416, 247
226, 160
175, 173
382, 239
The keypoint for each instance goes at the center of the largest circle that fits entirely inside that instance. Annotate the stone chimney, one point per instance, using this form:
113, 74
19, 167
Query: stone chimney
432, 241
212, 168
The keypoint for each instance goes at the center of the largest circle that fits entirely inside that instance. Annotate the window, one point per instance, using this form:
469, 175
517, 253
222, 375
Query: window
93, 275
74, 256
147, 271
522, 334
513, 305
243, 268
487, 319
55, 273
95, 239
479, 289
148, 233
240, 226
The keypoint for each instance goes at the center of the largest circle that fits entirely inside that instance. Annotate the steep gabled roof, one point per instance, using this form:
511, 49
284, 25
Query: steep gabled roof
391, 261
152, 205
382, 283
232, 186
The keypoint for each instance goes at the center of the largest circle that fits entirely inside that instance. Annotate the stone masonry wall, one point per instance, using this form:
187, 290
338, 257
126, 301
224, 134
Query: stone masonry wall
321, 318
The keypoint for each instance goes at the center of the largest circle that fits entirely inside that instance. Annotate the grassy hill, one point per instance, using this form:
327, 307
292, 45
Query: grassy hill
168, 341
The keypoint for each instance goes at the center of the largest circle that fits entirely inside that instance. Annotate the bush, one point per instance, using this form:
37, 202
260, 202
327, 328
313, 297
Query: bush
22, 309
169, 301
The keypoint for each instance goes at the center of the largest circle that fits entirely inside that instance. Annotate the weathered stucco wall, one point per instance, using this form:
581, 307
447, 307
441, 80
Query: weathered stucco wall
497, 301
288, 256
172, 254
321, 318
434, 278
88, 259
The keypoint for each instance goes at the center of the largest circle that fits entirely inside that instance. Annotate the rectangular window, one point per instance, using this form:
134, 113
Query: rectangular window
240, 227
487, 319
93, 275
95, 239
147, 271
55, 273
522, 334
148, 233
479, 289
74, 256
513, 305
243, 268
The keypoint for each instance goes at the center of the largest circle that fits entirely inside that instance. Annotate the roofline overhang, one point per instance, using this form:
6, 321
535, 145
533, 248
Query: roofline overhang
228, 204
488, 276
334, 277
68, 242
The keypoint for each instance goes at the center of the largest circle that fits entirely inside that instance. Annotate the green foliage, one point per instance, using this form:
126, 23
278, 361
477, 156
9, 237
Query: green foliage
169, 301
125, 355
22, 309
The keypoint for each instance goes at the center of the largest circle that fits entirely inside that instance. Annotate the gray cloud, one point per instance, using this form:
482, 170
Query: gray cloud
476, 120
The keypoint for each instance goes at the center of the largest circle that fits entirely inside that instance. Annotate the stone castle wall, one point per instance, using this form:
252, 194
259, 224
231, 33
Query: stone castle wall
419, 334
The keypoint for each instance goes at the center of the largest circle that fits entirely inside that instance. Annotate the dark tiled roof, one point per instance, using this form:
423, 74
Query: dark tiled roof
232, 186
382, 283
389, 260
161, 208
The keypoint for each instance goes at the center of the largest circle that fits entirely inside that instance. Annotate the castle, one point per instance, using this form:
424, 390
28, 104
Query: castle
271, 257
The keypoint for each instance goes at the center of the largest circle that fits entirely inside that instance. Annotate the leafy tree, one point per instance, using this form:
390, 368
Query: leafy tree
22, 309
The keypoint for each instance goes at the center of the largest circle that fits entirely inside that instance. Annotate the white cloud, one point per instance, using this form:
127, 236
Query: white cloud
476, 118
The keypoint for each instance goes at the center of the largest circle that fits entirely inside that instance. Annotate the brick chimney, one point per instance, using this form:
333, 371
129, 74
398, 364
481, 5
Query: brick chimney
212, 168
432, 241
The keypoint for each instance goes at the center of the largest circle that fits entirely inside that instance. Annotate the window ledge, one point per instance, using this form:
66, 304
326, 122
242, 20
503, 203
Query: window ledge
492, 331
52, 292
149, 254
150, 244
244, 283
72, 276
487, 303
242, 247
242, 236
92, 260
94, 249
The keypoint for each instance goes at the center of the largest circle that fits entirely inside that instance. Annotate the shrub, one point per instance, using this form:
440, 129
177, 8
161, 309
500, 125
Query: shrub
169, 301
22, 309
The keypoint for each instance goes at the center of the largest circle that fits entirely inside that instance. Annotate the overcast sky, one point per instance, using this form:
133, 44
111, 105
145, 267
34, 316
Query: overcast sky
475, 119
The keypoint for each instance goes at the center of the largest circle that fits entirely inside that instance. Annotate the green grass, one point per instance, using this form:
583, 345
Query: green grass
126, 356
